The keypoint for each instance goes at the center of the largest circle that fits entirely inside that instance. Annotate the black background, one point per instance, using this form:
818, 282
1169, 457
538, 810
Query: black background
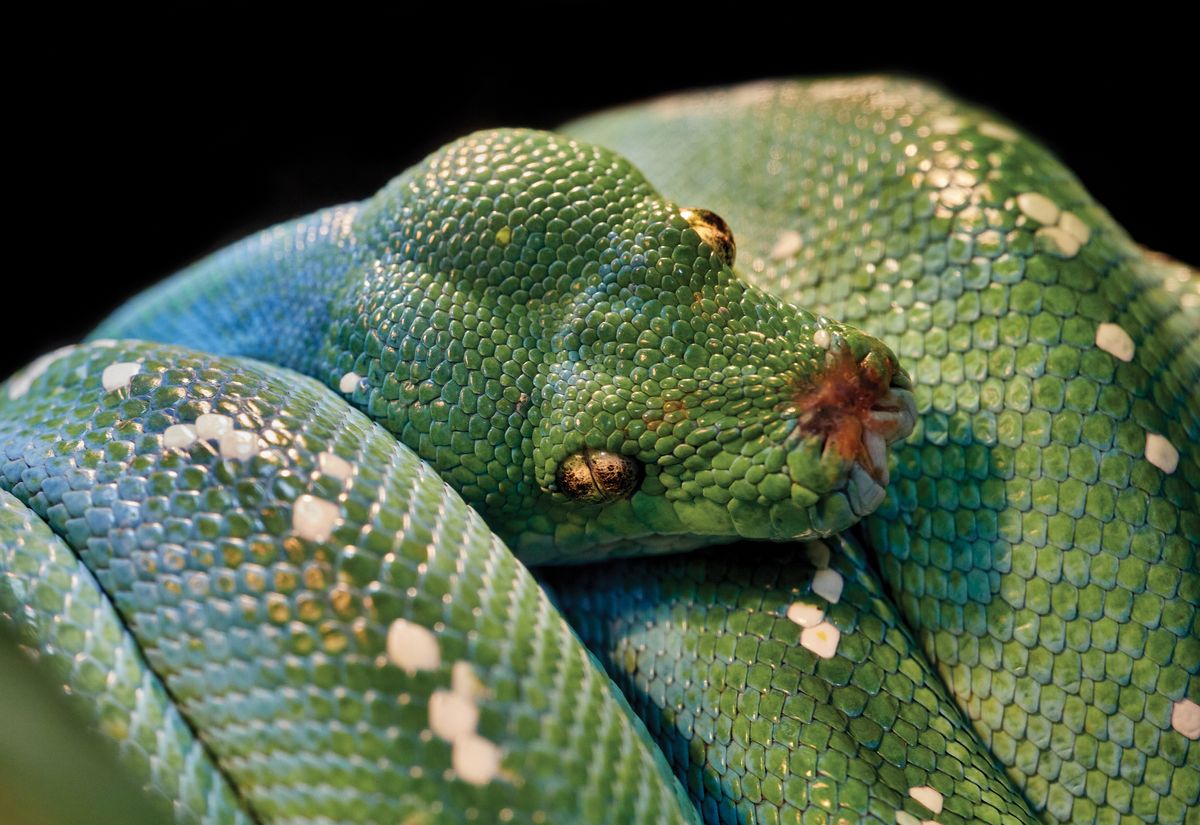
142, 144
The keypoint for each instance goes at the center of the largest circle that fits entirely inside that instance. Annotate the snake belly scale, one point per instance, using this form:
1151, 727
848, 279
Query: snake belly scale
293, 599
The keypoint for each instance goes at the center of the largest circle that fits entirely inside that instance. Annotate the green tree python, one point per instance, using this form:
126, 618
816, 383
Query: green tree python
920, 414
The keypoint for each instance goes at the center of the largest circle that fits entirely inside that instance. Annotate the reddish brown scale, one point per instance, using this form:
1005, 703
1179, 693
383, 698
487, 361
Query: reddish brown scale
838, 403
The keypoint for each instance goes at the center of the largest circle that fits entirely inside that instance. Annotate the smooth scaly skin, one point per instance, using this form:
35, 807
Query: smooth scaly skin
517, 299
1049, 568
367, 668
60, 610
760, 196
761, 727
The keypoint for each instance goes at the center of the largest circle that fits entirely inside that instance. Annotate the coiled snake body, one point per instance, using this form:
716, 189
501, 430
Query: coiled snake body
293, 598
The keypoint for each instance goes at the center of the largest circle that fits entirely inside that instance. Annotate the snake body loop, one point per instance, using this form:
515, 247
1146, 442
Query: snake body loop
261, 522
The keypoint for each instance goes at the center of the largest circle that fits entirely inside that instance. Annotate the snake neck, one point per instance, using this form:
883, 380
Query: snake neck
268, 297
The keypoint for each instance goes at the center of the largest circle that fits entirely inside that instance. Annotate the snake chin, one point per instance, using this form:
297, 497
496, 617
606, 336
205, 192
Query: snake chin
892, 419
865, 439
854, 411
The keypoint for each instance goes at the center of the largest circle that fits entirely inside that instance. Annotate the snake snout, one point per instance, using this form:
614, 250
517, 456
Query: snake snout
859, 404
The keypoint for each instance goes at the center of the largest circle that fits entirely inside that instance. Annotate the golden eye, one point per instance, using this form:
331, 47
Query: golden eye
597, 477
713, 230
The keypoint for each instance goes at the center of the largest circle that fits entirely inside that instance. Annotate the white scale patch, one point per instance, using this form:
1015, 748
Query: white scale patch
805, 615
1061, 232
821, 639
828, 585
947, 124
1115, 341
1059, 240
1040, 208
334, 466
411, 647
452, 715
349, 382
475, 759
997, 131
822, 338
314, 518
904, 817
23, 380
928, 797
786, 245
179, 436
239, 444
213, 425
117, 376
1075, 227
1161, 453
1185, 718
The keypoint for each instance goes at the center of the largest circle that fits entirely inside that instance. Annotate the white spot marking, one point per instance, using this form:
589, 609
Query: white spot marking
1058, 240
464, 682
349, 382
475, 759
452, 715
117, 376
805, 615
998, 131
821, 639
954, 196
213, 425
786, 245
904, 817
947, 124
822, 339
412, 647
238, 444
1185, 718
828, 585
1161, 453
313, 518
23, 380
1073, 226
180, 436
928, 797
1040, 208
818, 554
1115, 341
332, 465
103, 342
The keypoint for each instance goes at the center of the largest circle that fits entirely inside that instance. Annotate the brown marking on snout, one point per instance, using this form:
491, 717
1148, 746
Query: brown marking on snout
838, 402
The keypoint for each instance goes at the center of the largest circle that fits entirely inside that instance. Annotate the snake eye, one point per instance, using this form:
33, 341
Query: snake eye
597, 477
713, 230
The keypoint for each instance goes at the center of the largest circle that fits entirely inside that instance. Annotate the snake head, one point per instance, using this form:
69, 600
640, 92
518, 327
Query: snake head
577, 356
692, 406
